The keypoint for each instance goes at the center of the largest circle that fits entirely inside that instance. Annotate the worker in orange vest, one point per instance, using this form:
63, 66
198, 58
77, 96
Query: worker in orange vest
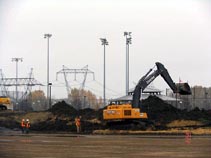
23, 125
78, 124
27, 126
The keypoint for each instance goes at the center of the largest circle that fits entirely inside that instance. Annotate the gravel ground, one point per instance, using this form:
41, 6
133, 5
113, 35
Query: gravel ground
115, 146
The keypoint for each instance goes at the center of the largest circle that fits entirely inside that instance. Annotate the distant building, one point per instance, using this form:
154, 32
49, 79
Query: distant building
150, 90
200, 97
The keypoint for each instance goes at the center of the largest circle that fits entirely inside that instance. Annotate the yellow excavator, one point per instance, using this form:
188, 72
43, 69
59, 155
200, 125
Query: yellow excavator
5, 103
119, 111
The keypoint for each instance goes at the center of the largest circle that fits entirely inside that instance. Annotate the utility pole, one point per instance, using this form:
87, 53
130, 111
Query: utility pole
104, 43
50, 103
128, 42
16, 78
47, 36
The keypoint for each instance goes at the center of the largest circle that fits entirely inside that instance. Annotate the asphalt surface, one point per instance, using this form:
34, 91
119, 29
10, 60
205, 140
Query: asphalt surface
17, 145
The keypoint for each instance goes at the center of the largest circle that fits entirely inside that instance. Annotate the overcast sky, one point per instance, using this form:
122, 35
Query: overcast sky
176, 33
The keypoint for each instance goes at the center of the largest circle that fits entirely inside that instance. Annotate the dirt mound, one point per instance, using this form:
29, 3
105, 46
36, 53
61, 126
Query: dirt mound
158, 110
162, 113
64, 119
64, 109
197, 114
88, 114
52, 125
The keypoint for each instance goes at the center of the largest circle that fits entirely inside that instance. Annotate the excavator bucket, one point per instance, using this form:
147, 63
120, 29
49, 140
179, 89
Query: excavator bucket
183, 88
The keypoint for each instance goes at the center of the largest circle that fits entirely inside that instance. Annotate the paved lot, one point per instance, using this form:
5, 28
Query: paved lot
116, 146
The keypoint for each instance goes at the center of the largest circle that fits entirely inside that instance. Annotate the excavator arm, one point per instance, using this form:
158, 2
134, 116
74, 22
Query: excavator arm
181, 88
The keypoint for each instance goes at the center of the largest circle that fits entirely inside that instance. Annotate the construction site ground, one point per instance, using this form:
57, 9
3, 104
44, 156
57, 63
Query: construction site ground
13, 144
164, 119
53, 133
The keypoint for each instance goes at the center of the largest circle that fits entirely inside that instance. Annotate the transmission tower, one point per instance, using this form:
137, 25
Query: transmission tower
29, 86
85, 75
65, 78
18, 82
8, 82
84, 71
4, 91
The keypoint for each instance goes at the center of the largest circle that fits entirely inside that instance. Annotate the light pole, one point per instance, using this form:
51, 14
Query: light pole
104, 43
50, 84
128, 42
47, 36
85, 102
16, 86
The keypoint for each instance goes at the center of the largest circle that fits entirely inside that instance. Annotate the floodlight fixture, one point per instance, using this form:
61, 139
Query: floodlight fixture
104, 41
47, 35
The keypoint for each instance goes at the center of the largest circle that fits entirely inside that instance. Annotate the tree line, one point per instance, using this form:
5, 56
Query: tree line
78, 98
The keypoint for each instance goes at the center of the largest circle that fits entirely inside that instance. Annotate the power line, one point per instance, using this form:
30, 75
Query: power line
108, 88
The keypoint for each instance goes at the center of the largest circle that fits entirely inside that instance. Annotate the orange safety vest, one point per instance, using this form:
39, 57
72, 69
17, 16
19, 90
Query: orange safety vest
23, 124
27, 125
77, 122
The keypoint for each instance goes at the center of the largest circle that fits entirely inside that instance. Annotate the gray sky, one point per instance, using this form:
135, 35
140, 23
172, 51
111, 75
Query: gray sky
175, 32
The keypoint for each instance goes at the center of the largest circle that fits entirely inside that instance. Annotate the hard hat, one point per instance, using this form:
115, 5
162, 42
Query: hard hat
27, 119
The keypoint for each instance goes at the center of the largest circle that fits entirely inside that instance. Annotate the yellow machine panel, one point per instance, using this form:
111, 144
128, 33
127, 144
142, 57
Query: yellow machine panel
125, 111
6, 102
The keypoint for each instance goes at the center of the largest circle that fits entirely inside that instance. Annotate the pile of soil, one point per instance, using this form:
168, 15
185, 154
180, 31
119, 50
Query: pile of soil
159, 111
162, 113
64, 109
89, 114
197, 114
64, 119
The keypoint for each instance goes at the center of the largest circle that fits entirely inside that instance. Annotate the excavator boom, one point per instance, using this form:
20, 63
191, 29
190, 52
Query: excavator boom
181, 88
